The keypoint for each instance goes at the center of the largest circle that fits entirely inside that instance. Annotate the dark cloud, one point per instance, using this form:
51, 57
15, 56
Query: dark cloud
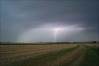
18, 16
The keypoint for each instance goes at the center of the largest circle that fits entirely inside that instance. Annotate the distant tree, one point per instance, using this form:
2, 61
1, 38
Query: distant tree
94, 42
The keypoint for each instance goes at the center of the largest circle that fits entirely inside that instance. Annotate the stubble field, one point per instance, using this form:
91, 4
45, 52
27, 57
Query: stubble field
43, 55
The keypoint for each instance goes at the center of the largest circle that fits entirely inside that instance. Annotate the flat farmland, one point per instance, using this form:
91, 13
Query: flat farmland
42, 55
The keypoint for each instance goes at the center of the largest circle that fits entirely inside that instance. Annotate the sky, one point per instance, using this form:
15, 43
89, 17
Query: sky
37, 20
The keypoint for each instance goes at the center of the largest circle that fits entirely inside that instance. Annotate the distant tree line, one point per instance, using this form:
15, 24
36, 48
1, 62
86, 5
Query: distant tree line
90, 42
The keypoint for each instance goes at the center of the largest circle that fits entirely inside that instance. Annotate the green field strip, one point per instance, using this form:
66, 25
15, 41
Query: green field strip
41, 58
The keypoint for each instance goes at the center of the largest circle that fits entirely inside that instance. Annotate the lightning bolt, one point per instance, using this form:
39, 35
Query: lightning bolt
55, 35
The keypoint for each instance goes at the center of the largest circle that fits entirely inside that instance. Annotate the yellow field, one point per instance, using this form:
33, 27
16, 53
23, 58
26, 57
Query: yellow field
10, 53
18, 53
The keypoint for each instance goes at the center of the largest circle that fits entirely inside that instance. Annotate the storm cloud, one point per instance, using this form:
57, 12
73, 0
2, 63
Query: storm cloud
21, 17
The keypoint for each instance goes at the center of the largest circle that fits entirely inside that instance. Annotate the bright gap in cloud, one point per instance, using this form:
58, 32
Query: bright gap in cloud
44, 34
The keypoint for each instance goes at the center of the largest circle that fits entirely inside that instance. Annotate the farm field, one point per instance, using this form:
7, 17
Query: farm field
46, 55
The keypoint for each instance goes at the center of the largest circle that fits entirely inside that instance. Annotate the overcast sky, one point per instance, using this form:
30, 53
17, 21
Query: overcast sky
36, 21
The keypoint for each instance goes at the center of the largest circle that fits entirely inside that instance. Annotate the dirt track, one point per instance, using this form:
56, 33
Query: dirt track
80, 58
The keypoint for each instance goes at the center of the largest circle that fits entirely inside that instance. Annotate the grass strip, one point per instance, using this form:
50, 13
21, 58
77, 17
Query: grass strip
38, 58
92, 57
